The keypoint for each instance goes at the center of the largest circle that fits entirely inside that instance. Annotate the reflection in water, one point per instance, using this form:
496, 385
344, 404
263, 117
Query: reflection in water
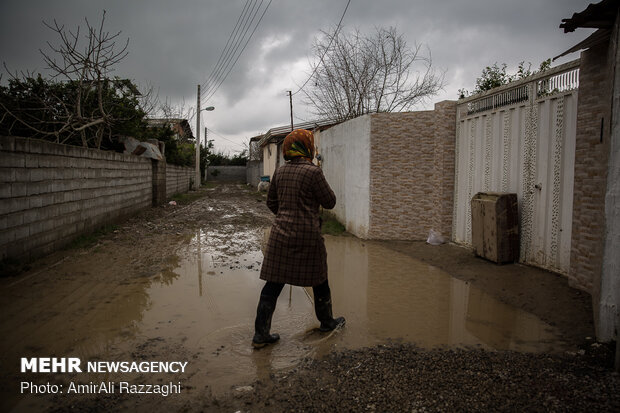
81, 318
202, 310
382, 293
385, 294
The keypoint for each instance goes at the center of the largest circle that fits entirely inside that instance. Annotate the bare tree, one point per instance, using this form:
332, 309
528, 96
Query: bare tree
168, 110
82, 103
355, 75
148, 99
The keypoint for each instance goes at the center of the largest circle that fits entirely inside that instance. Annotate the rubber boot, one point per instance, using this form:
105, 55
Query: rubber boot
323, 310
262, 325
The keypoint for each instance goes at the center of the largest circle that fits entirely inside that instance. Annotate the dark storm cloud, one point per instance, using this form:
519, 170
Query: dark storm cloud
175, 45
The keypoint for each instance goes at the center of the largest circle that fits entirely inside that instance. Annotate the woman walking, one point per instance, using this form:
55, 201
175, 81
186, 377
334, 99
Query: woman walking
295, 252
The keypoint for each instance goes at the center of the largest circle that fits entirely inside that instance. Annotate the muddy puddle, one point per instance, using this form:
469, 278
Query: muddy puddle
384, 295
201, 310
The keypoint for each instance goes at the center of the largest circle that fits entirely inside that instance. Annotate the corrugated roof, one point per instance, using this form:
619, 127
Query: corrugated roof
282, 131
595, 38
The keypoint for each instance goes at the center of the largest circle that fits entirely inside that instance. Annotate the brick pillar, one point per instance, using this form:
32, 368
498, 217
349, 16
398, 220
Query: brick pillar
159, 182
591, 158
444, 150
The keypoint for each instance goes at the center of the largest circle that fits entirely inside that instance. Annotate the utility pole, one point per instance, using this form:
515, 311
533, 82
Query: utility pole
290, 97
197, 177
206, 139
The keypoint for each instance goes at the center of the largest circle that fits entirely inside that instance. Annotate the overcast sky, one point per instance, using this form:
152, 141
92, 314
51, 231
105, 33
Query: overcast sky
174, 46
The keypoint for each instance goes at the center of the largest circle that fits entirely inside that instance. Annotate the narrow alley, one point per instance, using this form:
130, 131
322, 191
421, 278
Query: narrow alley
428, 327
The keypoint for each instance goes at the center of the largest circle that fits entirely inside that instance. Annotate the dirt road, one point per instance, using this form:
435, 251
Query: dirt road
91, 301
180, 283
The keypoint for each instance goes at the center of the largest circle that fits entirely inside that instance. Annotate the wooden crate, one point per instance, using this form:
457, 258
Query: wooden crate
495, 226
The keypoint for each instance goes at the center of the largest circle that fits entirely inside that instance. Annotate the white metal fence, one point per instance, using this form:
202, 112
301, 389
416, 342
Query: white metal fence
520, 138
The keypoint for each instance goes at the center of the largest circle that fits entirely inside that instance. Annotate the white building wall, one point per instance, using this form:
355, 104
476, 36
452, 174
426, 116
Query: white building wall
270, 156
346, 164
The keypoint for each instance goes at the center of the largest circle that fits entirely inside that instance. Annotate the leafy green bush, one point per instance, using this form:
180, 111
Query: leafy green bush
331, 226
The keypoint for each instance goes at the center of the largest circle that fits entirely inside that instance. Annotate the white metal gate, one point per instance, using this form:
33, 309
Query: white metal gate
520, 138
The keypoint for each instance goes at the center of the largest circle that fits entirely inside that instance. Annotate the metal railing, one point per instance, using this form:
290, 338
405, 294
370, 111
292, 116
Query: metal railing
509, 97
561, 79
559, 83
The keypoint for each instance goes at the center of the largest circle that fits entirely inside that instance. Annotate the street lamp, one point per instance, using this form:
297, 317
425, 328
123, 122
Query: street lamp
209, 108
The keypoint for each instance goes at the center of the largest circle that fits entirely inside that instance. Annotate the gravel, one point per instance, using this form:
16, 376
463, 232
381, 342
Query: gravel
400, 377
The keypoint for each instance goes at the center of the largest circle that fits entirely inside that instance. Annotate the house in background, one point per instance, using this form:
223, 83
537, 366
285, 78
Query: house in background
180, 127
271, 143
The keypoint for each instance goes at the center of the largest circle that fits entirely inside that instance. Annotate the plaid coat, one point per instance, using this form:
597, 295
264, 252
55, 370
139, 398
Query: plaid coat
295, 252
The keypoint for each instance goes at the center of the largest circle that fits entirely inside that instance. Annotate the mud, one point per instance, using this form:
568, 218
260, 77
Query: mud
181, 283
103, 302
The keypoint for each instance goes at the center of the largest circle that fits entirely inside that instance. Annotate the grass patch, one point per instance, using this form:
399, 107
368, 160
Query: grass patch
90, 239
331, 226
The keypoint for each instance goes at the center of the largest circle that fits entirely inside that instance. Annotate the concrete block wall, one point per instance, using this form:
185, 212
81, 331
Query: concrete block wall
591, 160
253, 172
51, 193
178, 179
412, 173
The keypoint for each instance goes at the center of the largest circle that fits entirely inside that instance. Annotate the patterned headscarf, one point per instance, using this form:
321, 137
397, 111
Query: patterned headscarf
298, 143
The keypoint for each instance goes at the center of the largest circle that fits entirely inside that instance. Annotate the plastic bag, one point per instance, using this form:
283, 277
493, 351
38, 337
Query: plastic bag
435, 238
263, 186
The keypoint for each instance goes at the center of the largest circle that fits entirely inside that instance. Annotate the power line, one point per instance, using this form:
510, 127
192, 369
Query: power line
241, 52
226, 139
244, 26
212, 91
225, 49
237, 38
325, 52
